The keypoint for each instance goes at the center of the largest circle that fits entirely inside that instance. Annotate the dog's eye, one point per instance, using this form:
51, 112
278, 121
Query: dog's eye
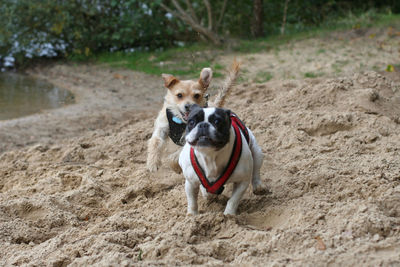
197, 96
191, 123
179, 95
216, 122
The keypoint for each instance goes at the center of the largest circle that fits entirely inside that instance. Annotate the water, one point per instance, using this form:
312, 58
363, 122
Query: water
21, 95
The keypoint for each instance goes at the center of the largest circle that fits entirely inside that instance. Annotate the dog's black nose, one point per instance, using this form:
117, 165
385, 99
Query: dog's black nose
187, 107
203, 126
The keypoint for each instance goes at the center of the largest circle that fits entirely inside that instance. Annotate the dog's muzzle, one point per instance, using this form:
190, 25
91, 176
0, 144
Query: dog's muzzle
202, 135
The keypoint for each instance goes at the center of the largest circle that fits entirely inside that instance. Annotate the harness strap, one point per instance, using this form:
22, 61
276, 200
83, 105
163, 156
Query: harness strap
243, 128
217, 186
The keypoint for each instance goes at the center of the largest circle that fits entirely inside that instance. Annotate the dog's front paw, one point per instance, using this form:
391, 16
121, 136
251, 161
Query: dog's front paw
192, 212
152, 167
229, 212
205, 194
261, 189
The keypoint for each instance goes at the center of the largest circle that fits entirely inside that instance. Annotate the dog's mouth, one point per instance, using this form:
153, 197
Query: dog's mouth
202, 141
185, 115
204, 138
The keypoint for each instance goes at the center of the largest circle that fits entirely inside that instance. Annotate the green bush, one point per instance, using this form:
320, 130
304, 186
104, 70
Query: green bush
83, 27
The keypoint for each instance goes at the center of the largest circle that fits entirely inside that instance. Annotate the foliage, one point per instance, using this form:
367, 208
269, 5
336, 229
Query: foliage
83, 28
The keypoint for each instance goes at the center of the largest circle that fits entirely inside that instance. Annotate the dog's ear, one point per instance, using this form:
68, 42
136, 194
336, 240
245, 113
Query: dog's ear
228, 112
169, 80
205, 78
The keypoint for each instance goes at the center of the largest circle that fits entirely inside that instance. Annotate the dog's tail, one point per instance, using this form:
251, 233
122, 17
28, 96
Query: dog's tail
229, 82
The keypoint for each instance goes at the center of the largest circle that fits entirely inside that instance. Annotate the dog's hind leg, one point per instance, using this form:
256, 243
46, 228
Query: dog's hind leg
258, 187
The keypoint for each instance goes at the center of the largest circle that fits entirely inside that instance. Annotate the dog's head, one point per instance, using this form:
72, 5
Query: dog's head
183, 94
208, 127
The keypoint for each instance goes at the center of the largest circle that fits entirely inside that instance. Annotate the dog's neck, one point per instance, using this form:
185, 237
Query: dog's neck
214, 162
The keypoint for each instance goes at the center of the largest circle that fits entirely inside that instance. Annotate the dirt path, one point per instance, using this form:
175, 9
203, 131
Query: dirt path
332, 163
338, 54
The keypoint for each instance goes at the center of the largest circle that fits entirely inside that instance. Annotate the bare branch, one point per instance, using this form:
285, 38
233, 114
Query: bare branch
181, 11
191, 10
167, 9
209, 13
180, 14
176, 14
221, 15
184, 16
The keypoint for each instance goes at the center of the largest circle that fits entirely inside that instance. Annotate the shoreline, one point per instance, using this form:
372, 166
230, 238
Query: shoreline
102, 97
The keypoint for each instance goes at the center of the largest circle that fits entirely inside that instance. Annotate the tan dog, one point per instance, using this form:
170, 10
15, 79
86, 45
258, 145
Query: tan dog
172, 118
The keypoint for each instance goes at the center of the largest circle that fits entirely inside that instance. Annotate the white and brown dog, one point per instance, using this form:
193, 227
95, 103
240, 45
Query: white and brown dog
219, 149
172, 118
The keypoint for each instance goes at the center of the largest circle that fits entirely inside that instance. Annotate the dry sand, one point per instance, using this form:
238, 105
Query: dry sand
80, 195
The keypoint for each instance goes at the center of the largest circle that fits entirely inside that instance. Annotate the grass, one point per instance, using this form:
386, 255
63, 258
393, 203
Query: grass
243, 78
187, 61
263, 76
139, 257
183, 61
365, 20
313, 74
338, 65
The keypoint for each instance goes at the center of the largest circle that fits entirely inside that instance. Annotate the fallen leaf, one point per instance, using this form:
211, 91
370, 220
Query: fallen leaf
118, 76
389, 68
320, 243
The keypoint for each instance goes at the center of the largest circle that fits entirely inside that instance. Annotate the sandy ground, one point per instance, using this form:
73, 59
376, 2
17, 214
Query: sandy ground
74, 190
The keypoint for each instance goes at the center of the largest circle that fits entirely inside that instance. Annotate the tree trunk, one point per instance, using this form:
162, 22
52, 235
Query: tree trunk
284, 17
258, 18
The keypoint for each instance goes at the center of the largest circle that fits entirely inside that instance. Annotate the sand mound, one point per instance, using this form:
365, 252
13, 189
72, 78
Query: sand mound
332, 164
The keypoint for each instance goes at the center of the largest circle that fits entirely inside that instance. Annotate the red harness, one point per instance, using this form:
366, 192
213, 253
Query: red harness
217, 186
